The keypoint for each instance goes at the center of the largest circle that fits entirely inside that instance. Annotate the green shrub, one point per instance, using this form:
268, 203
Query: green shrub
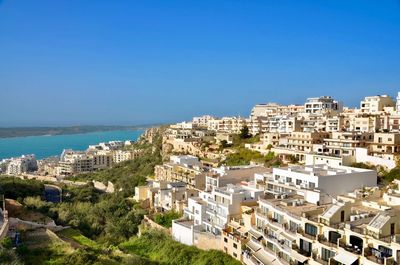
165, 219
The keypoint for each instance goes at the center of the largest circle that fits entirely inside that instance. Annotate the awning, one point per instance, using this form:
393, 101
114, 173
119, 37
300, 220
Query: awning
253, 246
346, 258
298, 257
255, 233
263, 257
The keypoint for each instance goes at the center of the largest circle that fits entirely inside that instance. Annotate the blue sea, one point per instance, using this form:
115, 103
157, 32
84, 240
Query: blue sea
45, 146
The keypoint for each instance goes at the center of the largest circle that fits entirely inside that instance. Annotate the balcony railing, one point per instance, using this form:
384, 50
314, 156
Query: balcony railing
304, 234
326, 242
349, 248
321, 261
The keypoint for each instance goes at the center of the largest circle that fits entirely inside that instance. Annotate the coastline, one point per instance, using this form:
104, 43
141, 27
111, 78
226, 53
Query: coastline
19, 132
47, 146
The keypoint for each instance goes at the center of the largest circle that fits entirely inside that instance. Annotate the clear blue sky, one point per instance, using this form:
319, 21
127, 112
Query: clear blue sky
132, 62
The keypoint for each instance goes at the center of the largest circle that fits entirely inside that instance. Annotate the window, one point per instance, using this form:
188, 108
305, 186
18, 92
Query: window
234, 254
298, 181
234, 245
342, 216
311, 229
306, 247
225, 240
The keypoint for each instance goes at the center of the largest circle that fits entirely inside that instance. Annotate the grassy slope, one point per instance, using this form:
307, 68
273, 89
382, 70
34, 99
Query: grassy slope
157, 246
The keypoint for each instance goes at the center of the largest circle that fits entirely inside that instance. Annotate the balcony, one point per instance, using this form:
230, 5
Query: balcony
323, 240
375, 256
320, 261
350, 248
262, 213
278, 243
304, 234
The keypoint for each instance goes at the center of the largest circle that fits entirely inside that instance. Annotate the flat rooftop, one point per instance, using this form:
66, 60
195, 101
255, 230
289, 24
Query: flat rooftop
238, 173
323, 170
294, 205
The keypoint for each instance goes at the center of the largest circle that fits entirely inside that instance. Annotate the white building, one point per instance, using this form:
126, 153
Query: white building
20, 165
185, 160
202, 121
319, 183
213, 210
375, 104
222, 176
322, 105
398, 103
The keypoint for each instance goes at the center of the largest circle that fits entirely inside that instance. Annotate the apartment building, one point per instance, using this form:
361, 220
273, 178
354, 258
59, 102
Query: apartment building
318, 184
264, 110
365, 124
375, 104
107, 146
222, 176
281, 231
164, 195
313, 123
187, 169
324, 104
213, 210
20, 165
236, 234
357, 228
75, 162
344, 143
172, 196
119, 156
304, 141
282, 124
398, 104
334, 124
272, 139
385, 145
277, 123
228, 124
273, 109
101, 159
392, 123
202, 121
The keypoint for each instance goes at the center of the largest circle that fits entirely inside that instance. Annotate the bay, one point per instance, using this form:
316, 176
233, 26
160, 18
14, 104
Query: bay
45, 146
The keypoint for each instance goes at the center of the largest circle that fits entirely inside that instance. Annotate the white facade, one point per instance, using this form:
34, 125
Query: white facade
375, 104
20, 165
213, 210
319, 183
322, 105
187, 160
398, 103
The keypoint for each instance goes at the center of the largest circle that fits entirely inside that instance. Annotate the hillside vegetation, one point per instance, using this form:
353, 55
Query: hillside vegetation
156, 246
103, 226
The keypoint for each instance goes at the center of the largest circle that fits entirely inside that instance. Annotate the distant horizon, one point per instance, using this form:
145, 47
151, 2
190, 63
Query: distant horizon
127, 124
71, 62
82, 125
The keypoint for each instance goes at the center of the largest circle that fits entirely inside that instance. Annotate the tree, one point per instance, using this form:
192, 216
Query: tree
244, 132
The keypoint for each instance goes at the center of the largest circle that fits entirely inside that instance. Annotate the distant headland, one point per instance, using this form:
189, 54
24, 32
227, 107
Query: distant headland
8, 132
